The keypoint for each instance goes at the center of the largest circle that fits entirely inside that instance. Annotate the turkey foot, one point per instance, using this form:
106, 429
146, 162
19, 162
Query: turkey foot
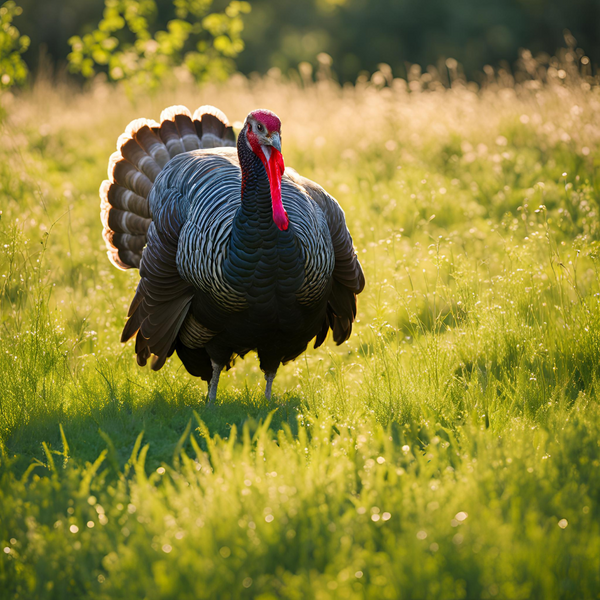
269, 377
214, 382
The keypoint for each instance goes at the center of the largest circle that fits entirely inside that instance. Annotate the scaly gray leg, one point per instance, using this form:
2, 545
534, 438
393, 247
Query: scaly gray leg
214, 382
269, 377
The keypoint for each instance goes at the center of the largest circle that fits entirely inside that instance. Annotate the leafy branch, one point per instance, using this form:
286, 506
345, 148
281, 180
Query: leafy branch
12, 44
197, 41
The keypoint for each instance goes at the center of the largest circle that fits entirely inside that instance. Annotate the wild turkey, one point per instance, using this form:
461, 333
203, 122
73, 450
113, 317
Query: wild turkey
235, 254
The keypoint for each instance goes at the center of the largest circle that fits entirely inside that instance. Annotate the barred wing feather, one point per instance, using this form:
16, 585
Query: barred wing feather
348, 277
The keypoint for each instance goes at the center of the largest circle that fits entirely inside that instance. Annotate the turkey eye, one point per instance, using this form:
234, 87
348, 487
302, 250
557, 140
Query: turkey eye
260, 127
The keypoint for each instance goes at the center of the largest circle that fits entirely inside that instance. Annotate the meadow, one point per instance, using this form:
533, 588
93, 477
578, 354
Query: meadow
450, 449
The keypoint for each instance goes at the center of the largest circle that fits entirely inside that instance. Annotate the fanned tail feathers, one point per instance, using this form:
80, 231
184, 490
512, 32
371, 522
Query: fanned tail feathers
142, 151
162, 300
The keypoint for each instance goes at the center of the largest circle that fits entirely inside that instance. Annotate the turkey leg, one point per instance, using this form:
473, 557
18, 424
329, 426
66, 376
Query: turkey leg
269, 376
214, 382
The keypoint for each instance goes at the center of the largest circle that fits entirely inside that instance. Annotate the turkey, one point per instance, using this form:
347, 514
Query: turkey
235, 252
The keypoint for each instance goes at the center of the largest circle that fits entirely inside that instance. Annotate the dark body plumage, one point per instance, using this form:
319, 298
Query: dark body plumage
219, 278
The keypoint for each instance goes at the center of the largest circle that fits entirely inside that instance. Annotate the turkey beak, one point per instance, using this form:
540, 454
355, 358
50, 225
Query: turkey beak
275, 140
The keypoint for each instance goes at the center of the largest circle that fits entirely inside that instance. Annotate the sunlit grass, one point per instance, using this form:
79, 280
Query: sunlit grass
449, 450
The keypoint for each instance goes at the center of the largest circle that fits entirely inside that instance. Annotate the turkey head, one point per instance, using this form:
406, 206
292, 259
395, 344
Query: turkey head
262, 133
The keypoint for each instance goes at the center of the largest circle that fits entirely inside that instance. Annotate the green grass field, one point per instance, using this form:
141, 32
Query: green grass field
450, 449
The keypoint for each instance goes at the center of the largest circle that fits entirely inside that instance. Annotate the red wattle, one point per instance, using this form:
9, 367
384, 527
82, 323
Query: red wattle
275, 168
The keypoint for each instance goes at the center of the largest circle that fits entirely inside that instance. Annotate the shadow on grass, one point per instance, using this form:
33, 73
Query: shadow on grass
116, 425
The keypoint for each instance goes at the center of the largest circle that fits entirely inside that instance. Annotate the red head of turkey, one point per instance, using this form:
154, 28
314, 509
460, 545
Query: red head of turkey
236, 253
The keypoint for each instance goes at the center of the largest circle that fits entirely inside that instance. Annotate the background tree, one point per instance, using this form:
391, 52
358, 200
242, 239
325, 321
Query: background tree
358, 34
197, 41
13, 69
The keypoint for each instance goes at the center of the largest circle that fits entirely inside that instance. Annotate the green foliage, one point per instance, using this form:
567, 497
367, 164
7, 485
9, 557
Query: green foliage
13, 69
359, 35
450, 449
336, 512
124, 46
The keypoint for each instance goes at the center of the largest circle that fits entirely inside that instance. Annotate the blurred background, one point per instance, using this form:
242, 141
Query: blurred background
356, 34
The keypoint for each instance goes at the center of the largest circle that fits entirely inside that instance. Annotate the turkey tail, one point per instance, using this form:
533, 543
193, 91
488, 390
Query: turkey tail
142, 152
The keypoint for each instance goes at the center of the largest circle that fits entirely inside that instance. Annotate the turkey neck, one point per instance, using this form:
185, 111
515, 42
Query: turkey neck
263, 263
257, 206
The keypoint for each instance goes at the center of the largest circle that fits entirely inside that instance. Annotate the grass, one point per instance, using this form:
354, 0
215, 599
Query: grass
449, 450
